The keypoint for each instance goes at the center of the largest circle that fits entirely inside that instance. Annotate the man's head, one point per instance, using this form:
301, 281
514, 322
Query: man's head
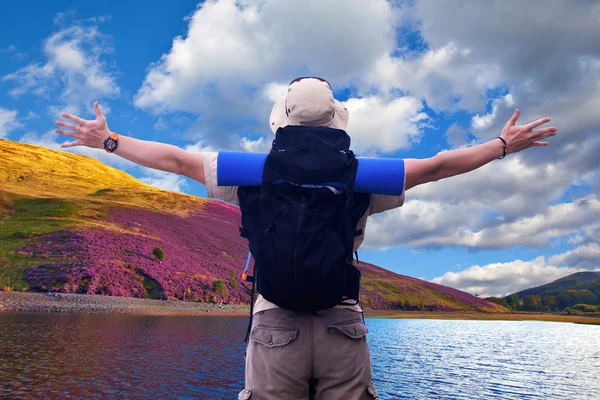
309, 101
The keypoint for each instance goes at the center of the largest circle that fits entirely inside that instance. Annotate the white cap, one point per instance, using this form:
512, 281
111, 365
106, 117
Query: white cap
309, 102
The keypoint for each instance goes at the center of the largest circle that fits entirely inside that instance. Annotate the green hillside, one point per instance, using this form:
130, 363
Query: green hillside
567, 292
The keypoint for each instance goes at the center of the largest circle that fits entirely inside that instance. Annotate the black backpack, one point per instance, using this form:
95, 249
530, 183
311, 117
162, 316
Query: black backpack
301, 232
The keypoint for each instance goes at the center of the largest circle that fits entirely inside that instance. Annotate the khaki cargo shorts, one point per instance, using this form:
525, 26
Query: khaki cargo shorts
299, 356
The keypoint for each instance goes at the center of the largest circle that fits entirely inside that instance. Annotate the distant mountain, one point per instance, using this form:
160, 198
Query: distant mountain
579, 290
580, 280
69, 223
584, 276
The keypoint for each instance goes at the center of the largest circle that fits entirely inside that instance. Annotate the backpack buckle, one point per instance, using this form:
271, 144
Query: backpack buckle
247, 278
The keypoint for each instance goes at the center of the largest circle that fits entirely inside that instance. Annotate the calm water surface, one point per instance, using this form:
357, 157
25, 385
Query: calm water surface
118, 356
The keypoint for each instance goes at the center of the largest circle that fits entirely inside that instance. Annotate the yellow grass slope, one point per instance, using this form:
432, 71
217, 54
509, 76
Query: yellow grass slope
34, 171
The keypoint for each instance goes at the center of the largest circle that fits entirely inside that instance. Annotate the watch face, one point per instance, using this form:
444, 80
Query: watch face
110, 144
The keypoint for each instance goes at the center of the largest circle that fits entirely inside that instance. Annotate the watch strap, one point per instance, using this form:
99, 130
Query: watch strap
114, 136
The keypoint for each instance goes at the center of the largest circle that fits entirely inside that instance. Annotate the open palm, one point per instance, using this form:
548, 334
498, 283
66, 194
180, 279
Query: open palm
521, 137
87, 133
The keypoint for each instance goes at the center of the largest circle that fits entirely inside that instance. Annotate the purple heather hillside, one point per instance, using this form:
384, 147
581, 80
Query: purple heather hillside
198, 250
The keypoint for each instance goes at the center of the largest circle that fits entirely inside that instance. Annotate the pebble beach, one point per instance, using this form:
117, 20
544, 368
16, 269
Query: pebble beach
92, 304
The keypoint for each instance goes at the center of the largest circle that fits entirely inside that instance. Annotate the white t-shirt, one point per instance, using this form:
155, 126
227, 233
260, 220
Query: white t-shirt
379, 203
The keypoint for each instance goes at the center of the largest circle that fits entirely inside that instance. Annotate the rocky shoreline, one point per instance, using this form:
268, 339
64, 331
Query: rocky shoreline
97, 304
94, 304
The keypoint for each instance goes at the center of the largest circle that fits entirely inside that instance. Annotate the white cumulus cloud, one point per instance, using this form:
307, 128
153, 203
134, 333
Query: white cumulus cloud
586, 257
434, 224
8, 122
237, 58
376, 125
74, 74
501, 279
163, 180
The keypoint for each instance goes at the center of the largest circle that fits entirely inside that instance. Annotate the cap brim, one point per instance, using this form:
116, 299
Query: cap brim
279, 118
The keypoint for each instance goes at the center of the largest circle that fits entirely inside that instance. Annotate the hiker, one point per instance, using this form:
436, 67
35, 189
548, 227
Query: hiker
294, 354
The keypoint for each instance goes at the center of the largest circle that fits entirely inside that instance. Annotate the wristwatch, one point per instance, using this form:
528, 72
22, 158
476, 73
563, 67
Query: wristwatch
110, 144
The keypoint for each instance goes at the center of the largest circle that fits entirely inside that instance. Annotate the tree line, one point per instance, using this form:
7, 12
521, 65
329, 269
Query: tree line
581, 300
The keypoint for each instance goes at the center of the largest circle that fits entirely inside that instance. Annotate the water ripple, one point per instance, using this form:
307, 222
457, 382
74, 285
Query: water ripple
108, 356
485, 359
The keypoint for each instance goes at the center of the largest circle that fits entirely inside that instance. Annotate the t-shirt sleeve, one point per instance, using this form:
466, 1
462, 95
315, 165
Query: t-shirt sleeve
383, 202
225, 193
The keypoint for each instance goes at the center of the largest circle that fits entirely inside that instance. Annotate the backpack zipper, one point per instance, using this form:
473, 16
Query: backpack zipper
301, 214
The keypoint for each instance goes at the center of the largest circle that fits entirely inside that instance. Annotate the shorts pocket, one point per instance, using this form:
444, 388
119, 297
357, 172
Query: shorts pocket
273, 337
353, 330
245, 394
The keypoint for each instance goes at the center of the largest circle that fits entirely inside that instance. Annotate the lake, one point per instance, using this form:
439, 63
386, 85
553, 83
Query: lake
123, 356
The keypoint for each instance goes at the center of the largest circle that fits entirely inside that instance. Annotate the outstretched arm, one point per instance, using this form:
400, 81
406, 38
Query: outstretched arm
460, 161
154, 155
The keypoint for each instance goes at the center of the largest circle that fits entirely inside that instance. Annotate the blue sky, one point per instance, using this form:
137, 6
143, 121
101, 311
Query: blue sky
417, 78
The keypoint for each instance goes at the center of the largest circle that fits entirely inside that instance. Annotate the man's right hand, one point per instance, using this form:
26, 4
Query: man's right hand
521, 137
88, 133
460, 161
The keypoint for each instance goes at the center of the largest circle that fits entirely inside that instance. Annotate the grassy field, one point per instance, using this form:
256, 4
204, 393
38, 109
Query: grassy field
592, 319
43, 191
29, 219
